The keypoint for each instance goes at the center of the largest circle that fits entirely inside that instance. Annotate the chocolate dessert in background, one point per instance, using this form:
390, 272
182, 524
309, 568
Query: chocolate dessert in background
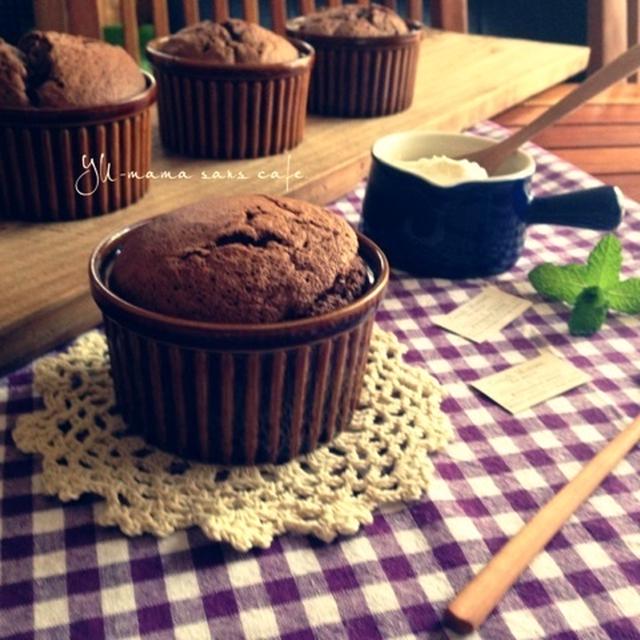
50, 69
233, 41
366, 60
230, 90
354, 20
69, 103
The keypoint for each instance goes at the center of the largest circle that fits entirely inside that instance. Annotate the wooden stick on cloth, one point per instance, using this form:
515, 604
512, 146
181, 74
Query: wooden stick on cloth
477, 600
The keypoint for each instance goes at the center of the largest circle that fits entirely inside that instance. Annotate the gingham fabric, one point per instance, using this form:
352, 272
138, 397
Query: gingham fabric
61, 576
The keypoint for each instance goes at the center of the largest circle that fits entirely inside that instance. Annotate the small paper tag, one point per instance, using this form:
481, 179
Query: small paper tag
483, 316
532, 382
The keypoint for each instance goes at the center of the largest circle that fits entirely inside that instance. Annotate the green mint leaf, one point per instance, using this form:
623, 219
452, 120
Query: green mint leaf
560, 283
625, 296
604, 263
588, 313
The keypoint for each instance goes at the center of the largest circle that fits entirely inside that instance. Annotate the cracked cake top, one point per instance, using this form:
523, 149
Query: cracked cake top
352, 20
232, 41
250, 259
50, 69
13, 77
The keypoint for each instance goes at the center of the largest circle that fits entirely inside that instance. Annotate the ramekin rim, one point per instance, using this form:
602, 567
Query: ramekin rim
140, 100
177, 324
415, 29
161, 57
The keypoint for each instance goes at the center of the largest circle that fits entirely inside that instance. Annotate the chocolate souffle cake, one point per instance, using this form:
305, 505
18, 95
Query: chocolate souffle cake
252, 259
67, 101
366, 59
230, 89
59, 70
239, 328
353, 20
232, 41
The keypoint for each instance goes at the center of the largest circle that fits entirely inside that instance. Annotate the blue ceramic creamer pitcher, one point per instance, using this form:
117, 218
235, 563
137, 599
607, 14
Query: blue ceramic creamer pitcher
471, 229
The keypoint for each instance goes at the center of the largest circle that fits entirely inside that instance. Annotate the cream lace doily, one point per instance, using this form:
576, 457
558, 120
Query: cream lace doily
381, 459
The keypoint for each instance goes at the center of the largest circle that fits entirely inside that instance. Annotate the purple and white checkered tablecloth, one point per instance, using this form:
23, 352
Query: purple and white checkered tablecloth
62, 576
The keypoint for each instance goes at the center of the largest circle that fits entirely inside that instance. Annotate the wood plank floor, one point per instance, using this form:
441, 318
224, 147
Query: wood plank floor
602, 137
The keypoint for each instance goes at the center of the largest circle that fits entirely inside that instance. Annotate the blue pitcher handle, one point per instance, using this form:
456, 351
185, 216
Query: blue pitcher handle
598, 208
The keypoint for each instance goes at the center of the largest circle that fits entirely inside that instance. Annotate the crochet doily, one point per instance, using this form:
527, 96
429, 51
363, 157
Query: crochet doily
381, 459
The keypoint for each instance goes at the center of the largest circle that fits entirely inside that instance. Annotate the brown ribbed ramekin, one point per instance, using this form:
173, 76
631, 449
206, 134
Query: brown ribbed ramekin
361, 77
50, 159
231, 111
236, 393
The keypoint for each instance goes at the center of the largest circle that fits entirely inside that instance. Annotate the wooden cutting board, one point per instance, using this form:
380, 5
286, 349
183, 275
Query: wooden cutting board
44, 294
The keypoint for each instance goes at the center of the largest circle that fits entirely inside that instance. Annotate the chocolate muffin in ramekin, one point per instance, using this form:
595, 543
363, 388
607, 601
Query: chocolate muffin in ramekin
239, 328
366, 60
75, 128
231, 90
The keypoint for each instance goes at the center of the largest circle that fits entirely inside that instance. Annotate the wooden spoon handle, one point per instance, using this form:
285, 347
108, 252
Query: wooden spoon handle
618, 69
475, 602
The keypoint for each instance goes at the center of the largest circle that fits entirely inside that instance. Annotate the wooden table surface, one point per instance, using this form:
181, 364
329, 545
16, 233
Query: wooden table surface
44, 294
602, 137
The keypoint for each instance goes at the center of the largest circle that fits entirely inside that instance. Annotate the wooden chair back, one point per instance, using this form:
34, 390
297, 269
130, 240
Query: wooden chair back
613, 25
87, 17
